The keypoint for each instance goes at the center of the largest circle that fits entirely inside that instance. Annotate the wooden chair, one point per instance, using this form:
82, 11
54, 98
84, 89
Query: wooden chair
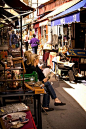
18, 60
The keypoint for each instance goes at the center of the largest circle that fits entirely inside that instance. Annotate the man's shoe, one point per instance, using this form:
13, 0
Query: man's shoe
47, 110
59, 104
73, 82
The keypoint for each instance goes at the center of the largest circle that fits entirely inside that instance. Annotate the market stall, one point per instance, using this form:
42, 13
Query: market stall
13, 82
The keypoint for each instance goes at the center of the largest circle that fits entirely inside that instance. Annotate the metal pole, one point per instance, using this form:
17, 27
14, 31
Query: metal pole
21, 33
62, 36
51, 37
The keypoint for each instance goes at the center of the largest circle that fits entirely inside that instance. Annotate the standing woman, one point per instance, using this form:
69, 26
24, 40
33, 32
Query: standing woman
13, 39
34, 44
26, 40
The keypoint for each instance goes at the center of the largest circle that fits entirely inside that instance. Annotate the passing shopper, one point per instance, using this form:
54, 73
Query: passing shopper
34, 44
26, 40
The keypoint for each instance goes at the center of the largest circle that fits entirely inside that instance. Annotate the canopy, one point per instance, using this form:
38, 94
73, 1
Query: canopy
67, 19
4, 13
19, 6
76, 7
5, 16
60, 9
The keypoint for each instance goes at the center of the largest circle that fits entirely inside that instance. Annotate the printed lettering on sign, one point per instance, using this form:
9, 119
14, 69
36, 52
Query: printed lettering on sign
53, 23
74, 17
63, 21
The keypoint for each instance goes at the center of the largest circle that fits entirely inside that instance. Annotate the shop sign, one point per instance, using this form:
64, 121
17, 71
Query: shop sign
62, 21
43, 23
74, 17
77, 52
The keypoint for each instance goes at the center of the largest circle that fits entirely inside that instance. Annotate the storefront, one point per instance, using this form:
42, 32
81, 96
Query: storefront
36, 26
73, 22
44, 31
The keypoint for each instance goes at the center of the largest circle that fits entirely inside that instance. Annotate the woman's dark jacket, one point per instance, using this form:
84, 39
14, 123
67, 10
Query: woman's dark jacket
30, 69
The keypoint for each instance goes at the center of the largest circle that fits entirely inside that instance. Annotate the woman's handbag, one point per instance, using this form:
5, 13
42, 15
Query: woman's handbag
37, 42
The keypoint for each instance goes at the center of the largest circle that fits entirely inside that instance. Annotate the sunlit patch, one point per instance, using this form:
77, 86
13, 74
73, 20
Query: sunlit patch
78, 92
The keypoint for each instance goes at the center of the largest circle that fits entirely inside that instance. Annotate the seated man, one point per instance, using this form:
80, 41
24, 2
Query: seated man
66, 65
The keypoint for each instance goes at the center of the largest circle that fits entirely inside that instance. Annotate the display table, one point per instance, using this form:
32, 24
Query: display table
78, 56
29, 125
80, 63
37, 104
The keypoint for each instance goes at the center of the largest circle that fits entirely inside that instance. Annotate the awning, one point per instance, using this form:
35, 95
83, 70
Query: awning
67, 19
5, 17
61, 9
4, 13
72, 9
19, 6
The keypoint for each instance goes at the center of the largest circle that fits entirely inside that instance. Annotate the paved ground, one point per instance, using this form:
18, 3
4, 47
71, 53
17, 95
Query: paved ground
71, 116
78, 92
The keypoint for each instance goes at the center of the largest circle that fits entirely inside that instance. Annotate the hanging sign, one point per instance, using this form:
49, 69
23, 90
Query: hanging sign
43, 23
77, 52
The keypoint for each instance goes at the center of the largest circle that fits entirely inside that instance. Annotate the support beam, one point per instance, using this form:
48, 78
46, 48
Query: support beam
21, 33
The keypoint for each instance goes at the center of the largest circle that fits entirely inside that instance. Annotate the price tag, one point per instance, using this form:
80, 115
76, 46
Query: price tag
2, 110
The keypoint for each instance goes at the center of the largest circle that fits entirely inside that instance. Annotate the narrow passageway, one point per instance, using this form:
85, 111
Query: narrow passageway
70, 116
